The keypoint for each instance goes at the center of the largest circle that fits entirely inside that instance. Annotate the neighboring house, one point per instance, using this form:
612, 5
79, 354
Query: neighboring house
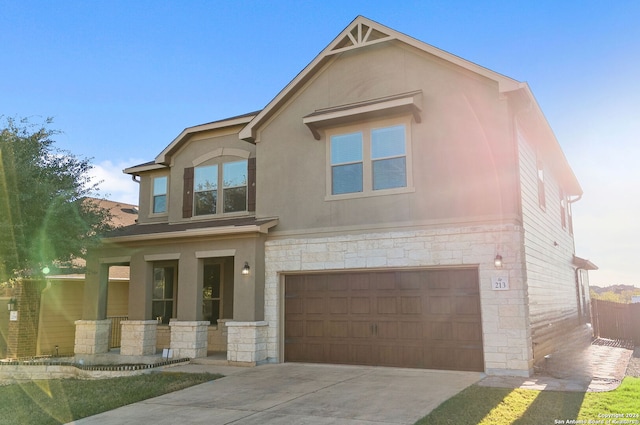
393, 205
46, 313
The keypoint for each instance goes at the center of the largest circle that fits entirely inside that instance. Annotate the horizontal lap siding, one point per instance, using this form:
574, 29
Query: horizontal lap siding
549, 272
60, 307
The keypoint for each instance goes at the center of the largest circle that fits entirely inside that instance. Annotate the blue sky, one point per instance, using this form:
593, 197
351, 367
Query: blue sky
123, 78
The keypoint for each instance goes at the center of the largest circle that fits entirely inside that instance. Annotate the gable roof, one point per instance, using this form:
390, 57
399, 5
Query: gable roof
164, 158
360, 33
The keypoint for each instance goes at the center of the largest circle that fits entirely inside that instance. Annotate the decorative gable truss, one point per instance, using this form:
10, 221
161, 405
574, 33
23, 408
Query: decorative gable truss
360, 35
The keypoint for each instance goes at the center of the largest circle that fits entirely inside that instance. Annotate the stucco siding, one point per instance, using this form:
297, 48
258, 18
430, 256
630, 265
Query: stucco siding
461, 155
548, 251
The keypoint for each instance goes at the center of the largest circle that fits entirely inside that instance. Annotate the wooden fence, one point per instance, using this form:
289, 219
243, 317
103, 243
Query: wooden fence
616, 320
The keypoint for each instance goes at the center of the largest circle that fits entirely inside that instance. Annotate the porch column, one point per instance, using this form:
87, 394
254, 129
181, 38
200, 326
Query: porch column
138, 337
247, 342
92, 336
189, 339
248, 289
94, 330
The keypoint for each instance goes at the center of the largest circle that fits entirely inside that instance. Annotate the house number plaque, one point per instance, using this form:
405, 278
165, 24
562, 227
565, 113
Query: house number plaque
13, 316
499, 283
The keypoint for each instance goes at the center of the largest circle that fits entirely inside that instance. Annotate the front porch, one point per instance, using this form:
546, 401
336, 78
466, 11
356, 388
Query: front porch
238, 343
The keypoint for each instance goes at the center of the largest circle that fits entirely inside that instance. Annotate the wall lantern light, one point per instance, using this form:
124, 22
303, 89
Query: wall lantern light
246, 269
12, 304
498, 261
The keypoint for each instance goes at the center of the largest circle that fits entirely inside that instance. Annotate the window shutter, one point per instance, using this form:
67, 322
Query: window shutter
187, 196
251, 183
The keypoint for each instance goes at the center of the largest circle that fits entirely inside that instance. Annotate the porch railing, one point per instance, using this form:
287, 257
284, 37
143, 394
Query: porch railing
116, 330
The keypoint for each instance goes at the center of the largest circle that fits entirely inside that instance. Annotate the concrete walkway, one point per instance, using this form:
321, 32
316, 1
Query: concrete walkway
295, 393
592, 368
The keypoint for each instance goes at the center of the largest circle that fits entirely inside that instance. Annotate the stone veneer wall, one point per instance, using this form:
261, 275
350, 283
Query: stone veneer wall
92, 336
247, 342
505, 322
138, 337
189, 339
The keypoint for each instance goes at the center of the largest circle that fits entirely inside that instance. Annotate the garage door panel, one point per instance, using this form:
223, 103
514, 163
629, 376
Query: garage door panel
295, 284
362, 354
468, 331
361, 329
314, 328
338, 353
315, 353
294, 305
466, 305
387, 305
410, 280
419, 318
314, 305
316, 283
411, 305
360, 305
411, 331
339, 305
439, 305
383, 281
359, 282
386, 330
338, 329
338, 283
441, 331
294, 328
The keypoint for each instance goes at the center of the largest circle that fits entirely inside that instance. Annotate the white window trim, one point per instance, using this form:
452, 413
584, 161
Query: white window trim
367, 162
151, 201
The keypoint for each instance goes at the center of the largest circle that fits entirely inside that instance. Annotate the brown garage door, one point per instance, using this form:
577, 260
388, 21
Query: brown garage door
423, 318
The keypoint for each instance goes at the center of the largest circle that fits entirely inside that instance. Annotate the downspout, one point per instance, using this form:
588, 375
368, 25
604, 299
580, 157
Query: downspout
133, 177
577, 270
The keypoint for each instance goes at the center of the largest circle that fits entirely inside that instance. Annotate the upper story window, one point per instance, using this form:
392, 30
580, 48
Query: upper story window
160, 195
369, 159
205, 190
231, 177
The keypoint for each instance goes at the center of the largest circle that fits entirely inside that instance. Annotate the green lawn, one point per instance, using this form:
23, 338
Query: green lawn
58, 401
484, 405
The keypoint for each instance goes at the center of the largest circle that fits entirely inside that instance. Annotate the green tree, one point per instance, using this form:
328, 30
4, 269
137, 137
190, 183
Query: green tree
46, 214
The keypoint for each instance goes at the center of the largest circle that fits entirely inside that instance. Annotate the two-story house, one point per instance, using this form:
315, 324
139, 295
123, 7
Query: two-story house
393, 205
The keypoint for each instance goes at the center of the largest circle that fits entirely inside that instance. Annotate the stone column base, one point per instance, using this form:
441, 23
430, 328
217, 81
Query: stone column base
247, 342
138, 337
92, 336
189, 339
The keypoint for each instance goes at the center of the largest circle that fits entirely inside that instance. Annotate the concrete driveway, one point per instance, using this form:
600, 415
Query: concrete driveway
295, 393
